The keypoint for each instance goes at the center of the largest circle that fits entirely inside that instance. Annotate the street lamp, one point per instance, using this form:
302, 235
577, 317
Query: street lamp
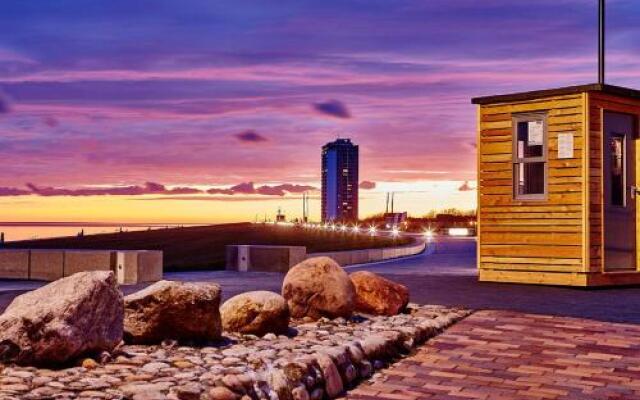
428, 234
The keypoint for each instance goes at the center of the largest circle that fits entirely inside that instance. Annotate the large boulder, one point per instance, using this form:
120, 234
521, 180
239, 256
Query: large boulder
255, 313
77, 315
319, 287
183, 311
377, 295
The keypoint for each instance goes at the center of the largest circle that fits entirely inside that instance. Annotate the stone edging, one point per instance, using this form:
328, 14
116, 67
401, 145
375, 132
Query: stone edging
320, 360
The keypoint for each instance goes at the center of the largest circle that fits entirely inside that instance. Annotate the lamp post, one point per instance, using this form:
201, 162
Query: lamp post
601, 41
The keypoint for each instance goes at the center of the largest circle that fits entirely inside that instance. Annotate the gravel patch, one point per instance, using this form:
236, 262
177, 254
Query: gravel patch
316, 360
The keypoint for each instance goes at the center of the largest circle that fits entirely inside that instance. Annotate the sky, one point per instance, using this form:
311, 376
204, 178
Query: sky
215, 111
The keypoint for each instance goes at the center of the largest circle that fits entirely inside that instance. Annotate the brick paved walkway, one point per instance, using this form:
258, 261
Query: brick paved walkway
498, 355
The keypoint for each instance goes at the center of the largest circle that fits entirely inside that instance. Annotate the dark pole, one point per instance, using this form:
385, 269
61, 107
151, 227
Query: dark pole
601, 42
393, 195
386, 206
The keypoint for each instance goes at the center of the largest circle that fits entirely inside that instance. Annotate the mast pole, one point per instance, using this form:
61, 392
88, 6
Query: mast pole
601, 42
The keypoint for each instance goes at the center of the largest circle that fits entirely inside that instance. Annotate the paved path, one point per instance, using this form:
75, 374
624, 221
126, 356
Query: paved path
446, 277
501, 355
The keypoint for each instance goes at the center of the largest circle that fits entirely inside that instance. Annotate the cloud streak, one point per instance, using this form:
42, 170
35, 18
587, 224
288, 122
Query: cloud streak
147, 188
249, 188
367, 185
153, 188
250, 137
333, 108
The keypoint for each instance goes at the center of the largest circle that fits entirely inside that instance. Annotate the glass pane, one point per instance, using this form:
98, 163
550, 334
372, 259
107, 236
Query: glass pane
529, 178
530, 139
616, 145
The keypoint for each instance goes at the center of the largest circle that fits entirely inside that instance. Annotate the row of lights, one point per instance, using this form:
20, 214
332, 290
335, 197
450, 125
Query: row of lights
372, 230
343, 228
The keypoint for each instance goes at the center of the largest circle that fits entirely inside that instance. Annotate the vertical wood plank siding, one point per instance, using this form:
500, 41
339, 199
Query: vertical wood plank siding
533, 235
598, 103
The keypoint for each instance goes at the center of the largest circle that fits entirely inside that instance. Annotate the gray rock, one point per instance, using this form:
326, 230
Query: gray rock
142, 388
300, 393
189, 391
318, 287
79, 314
184, 311
151, 395
332, 380
377, 295
154, 367
316, 394
255, 313
222, 393
279, 384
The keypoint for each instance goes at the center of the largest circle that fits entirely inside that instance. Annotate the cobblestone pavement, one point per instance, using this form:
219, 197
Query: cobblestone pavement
496, 355
314, 361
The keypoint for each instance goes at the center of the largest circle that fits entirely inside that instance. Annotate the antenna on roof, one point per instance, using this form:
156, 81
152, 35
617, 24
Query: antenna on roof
601, 41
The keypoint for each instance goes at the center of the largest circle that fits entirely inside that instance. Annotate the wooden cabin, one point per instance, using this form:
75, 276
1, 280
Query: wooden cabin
557, 186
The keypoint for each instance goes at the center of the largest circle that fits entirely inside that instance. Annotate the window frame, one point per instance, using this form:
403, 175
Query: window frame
544, 158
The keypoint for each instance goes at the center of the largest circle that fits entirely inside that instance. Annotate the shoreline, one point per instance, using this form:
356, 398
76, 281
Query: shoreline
33, 230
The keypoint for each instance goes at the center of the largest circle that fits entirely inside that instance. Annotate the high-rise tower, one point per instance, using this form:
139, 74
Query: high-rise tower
340, 181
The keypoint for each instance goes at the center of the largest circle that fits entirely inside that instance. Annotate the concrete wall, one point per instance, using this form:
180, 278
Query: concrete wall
282, 258
150, 265
88, 260
352, 257
137, 266
14, 264
49, 265
263, 258
126, 267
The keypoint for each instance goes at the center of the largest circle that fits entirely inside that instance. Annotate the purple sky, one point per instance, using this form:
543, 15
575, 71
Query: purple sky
218, 93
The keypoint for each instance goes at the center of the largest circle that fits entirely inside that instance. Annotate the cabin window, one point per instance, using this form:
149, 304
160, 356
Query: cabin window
617, 170
530, 156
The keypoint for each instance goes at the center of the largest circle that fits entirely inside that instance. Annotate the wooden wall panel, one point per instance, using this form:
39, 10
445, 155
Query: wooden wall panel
536, 235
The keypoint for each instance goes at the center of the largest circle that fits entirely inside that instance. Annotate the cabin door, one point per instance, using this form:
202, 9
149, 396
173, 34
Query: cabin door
619, 192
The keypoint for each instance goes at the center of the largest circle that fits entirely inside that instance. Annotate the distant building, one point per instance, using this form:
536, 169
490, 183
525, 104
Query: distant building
395, 220
340, 181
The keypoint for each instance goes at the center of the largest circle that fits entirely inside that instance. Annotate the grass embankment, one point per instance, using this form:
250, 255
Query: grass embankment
203, 248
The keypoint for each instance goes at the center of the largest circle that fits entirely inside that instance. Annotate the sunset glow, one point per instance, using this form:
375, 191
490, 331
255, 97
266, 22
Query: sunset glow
198, 96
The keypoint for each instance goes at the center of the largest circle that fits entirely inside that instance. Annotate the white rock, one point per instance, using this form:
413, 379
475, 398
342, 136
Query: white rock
79, 314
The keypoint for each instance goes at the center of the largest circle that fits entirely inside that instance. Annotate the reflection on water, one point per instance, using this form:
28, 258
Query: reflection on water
14, 232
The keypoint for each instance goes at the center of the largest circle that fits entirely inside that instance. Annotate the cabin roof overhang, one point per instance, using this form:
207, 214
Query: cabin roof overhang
536, 94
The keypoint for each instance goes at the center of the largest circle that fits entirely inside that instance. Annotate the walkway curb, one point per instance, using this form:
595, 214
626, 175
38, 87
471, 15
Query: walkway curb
368, 256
